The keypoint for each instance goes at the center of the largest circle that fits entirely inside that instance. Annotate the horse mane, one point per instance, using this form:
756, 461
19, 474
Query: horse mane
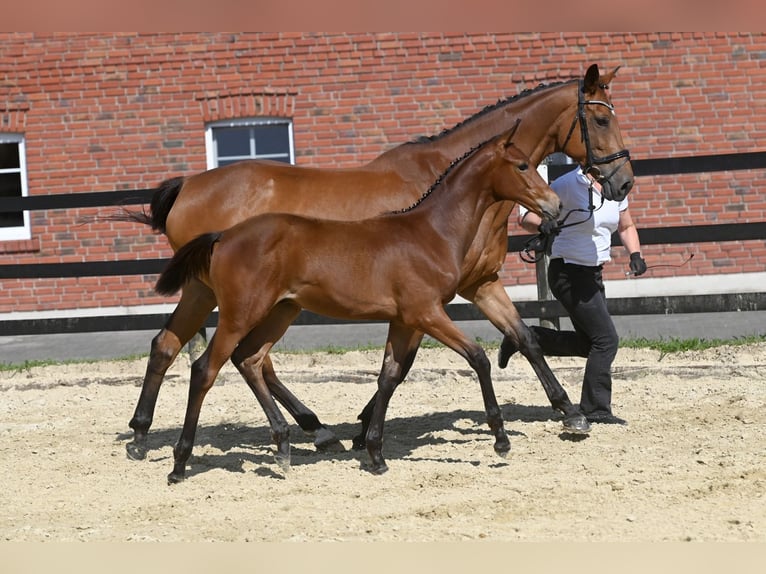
489, 108
443, 175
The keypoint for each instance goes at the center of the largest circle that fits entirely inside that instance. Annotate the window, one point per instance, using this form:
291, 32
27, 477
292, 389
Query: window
13, 183
235, 140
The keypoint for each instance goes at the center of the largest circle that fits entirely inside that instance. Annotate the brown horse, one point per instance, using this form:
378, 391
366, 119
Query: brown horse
402, 267
575, 117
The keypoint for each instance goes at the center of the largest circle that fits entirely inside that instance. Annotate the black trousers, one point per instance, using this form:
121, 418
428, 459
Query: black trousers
580, 290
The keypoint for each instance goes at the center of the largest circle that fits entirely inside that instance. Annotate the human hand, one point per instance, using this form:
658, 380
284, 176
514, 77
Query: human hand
637, 264
549, 227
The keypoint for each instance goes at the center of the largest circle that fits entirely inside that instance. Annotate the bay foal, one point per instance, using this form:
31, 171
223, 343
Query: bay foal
402, 267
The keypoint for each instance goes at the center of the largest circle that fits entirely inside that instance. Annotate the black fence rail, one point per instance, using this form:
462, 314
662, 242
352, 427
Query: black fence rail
542, 309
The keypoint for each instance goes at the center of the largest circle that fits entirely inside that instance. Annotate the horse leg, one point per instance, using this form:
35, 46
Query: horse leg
359, 441
438, 325
203, 373
196, 303
491, 298
401, 347
249, 358
324, 439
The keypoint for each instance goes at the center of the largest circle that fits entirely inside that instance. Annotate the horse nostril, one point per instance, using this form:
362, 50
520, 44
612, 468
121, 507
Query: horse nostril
627, 186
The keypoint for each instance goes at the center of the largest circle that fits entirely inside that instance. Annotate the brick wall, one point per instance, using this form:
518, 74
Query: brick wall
118, 111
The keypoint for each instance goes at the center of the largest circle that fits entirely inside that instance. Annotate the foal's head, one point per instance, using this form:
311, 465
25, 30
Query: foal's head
514, 179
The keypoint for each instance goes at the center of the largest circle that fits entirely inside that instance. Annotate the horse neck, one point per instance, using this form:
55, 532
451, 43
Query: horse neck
454, 208
544, 114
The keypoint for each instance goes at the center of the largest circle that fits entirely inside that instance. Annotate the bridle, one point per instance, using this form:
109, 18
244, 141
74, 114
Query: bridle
541, 243
591, 161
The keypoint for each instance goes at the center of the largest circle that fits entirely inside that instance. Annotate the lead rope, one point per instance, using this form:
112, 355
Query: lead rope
541, 243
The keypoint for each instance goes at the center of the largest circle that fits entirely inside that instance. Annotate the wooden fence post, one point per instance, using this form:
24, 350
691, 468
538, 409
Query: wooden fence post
544, 290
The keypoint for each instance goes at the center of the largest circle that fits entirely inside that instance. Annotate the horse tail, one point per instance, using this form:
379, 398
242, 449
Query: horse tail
164, 197
192, 261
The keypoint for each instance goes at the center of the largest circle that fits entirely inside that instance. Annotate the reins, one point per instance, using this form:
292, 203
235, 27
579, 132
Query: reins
541, 243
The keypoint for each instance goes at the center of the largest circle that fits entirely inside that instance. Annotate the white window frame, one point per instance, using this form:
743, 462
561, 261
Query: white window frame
212, 152
19, 232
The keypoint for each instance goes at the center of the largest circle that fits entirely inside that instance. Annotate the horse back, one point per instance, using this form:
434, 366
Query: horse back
220, 198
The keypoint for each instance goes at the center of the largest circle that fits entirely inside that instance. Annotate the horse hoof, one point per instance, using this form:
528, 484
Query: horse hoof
359, 442
507, 349
174, 478
576, 424
326, 441
502, 451
135, 451
378, 469
283, 462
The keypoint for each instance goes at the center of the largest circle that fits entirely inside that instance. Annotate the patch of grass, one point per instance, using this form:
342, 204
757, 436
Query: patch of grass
666, 346
27, 365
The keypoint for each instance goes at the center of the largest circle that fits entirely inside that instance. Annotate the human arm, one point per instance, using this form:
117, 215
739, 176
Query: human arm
629, 237
530, 221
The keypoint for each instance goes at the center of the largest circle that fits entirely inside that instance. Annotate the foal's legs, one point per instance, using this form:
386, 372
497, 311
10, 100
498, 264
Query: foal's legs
401, 347
203, 373
324, 439
490, 297
440, 327
400, 369
196, 303
249, 357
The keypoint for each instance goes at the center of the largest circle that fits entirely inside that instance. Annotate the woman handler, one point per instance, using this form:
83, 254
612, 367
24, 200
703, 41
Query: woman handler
575, 278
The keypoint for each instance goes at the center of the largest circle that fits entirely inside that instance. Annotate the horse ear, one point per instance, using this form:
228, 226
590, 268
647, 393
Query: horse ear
594, 81
508, 141
606, 79
591, 82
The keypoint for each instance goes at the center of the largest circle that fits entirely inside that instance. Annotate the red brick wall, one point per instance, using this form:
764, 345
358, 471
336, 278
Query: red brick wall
124, 111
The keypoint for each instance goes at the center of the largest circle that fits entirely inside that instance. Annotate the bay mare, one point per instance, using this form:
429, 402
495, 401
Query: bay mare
402, 267
575, 117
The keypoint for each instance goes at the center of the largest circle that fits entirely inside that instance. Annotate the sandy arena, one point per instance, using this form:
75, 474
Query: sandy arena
691, 466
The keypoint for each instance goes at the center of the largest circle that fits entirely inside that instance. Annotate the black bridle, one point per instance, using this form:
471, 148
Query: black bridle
541, 243
591, 161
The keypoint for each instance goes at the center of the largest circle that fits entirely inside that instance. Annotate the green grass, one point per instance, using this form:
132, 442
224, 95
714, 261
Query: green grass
694, 344
665, 346
27, 365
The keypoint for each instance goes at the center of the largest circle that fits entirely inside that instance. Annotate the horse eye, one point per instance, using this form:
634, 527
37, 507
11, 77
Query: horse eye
523, 166
603, 121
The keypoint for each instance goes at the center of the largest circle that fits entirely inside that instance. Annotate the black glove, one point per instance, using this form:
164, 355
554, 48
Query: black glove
543, 241
549, 227
637, 263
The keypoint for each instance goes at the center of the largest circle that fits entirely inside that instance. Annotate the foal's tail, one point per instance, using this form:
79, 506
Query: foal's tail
192, 261
164, 197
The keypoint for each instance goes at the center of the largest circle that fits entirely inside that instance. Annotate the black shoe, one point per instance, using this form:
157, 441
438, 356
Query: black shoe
507, 349
606, 419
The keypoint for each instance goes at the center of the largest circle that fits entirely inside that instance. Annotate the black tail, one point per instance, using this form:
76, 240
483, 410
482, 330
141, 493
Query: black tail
192, 261
164, 197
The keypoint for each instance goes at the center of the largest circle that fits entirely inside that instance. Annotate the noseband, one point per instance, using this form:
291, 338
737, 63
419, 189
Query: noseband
592, 162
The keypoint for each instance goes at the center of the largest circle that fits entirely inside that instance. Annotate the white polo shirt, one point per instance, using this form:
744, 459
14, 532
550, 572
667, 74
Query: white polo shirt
587, 243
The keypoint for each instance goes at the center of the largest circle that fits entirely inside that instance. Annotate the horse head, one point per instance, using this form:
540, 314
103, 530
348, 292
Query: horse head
599, 149
516, 180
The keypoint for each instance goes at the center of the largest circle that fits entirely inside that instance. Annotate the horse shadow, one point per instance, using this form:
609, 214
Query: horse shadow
243, 447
